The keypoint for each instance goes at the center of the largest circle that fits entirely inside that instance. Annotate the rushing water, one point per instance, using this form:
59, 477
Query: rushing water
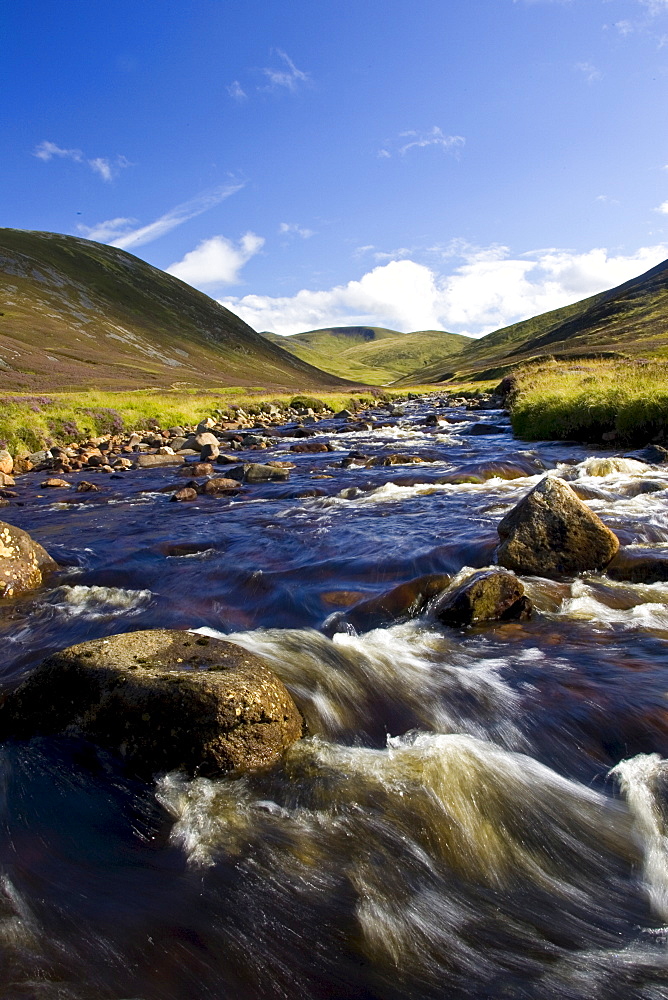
476, 813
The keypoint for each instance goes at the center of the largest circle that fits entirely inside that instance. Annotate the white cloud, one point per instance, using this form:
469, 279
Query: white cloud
419, 140
293, 229
288, 78
100, 165
170, 220
590, 73
236, 91
489, 290
216, 261
663, 208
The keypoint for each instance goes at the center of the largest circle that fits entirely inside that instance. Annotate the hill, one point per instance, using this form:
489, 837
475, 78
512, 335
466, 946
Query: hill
76, 314
631, 318
371, 354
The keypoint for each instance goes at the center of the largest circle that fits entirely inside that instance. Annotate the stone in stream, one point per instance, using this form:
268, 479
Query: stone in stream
552, 533
163, 700
312, 446
86, 487
23, 561
182, 495
484, 595
639, 564
54, 484
157, 461
6, 462
253, 472
195, 469
478, 429
6, 479
653, 454
219, 484
407, 600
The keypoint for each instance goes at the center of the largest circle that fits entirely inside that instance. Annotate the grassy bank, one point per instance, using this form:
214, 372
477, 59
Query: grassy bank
29, 422
586, 399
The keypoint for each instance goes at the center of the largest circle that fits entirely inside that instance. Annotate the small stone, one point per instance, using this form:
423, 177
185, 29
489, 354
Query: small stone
6, 462
196, 469
156, 461
85, 487
53, 483
220, 485
187, 493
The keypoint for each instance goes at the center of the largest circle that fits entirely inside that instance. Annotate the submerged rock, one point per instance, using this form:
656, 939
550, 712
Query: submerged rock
404, 601
484, 595
23, 561
639, 564
552, 533
163, 700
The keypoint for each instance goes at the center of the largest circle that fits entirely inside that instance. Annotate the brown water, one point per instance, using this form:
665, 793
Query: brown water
450, 828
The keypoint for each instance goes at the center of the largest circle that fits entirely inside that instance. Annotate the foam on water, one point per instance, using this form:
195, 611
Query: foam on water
644, 782
98, 602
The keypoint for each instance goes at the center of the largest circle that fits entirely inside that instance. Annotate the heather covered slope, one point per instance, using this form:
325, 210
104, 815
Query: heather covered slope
372, 354
76, 314
631, 318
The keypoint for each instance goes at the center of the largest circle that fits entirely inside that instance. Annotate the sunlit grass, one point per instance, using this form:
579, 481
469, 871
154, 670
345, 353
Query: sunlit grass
586, 399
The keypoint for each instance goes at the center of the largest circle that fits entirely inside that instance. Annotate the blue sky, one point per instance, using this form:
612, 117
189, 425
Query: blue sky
450, 164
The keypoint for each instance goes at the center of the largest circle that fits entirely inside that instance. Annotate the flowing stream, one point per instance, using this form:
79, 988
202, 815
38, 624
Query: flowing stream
476, 813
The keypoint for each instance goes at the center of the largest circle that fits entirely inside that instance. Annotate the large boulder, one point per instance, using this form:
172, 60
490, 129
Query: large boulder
23, 561
552, 533
484, 595
163, 700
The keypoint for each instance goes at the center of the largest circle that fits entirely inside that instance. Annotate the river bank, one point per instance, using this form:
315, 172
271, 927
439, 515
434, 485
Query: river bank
450, 824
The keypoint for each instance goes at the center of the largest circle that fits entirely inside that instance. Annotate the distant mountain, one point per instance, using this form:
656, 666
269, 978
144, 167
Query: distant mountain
371, 354
77, 314
631, 318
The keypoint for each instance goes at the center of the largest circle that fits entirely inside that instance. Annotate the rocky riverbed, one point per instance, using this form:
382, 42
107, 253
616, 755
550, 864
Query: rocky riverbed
476, 808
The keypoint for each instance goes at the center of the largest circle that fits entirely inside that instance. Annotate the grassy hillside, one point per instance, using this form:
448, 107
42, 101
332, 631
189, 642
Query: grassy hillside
374, 355
76, 314
629, 319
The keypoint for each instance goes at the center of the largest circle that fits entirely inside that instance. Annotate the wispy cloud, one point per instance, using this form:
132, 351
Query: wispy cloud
216, 261
287, 77
100, 165
293, 229
236, 91
170, 220
663, 208
420, 140
105, 232
590, 72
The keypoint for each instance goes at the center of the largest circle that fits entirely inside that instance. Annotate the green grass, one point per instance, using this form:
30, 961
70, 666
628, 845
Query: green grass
584, 400
28, 423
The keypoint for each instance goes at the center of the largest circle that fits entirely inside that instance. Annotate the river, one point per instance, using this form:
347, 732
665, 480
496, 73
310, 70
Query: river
476, 813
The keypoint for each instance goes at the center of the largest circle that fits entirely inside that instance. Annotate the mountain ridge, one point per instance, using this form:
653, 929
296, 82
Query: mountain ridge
88, 315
